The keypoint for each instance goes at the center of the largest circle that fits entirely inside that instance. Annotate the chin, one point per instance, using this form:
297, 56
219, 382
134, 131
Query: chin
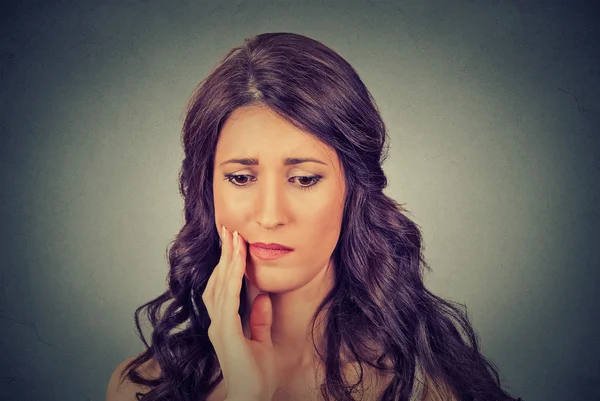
273, 280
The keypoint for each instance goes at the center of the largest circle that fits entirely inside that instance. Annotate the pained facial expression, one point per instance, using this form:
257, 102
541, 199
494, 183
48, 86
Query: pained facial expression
277, 203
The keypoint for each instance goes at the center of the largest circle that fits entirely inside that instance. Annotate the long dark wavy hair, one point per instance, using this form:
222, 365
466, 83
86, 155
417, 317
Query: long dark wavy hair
379, 257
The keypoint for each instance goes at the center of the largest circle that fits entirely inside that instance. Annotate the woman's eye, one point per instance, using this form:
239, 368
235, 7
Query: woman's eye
306, 182
236, 178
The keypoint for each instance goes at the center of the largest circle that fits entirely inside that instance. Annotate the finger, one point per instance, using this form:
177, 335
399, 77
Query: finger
230, 297
235, 237
225, 261
233, 286
261, 318
238, 266
226, 294
214, 283
214, 274
226, 246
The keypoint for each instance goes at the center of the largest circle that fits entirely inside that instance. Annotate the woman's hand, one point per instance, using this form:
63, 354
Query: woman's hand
248, 365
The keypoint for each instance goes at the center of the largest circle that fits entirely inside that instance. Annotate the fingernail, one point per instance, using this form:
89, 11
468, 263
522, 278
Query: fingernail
235, 240
223, 232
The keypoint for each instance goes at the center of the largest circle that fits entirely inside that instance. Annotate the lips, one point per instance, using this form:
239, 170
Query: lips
269, 251
271, 246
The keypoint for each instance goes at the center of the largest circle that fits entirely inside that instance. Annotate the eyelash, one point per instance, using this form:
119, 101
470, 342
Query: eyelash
316, 180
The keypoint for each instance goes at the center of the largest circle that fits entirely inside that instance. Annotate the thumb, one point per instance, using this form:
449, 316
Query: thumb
261, 318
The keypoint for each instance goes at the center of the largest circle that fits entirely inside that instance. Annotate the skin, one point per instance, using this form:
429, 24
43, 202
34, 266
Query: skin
269, 205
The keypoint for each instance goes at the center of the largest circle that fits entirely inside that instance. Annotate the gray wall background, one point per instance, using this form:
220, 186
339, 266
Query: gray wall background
492, 108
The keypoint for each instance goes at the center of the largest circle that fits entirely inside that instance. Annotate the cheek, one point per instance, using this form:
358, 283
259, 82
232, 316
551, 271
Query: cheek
323, 228
227, 209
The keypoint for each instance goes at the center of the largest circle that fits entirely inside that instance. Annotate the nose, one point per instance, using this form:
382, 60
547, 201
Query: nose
271, 203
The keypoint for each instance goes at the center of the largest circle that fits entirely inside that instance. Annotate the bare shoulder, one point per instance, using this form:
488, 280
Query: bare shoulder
123, 389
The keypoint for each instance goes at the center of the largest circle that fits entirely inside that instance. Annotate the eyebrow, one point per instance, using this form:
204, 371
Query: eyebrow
288, 161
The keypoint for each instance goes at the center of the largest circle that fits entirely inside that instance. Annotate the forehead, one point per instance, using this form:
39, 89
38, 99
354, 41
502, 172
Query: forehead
259, 132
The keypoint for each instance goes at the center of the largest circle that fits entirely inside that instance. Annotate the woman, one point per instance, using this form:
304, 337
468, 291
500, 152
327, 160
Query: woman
339, 314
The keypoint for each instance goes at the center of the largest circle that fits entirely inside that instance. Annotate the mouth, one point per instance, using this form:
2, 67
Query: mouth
269, 253
271, 246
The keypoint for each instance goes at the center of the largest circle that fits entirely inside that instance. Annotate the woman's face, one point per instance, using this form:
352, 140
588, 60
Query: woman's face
273, 202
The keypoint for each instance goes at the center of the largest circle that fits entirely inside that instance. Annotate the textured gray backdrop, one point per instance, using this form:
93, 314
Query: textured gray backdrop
493, 110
